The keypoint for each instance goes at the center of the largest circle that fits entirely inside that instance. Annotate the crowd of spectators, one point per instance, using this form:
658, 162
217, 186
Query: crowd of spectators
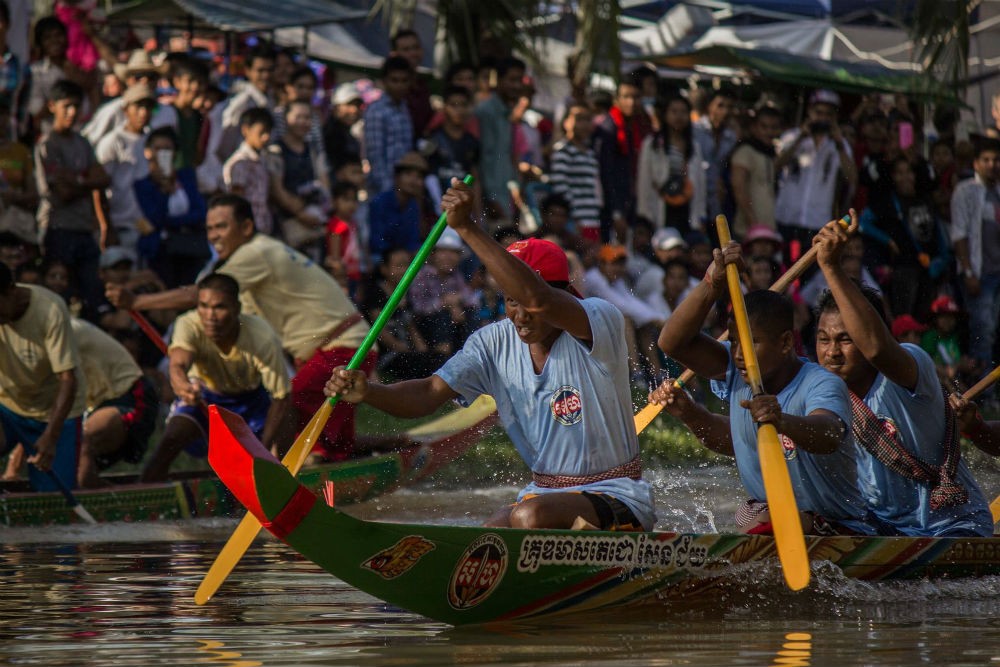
108, 179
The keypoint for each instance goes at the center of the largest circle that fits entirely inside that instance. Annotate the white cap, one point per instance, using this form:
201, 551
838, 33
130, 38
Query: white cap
346, 93
450, 240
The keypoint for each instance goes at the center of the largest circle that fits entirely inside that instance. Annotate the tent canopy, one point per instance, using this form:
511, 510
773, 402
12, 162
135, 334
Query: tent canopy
234, 15
808, 71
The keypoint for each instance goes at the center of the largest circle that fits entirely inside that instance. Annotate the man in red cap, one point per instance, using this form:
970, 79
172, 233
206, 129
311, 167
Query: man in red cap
906, 329
558, 369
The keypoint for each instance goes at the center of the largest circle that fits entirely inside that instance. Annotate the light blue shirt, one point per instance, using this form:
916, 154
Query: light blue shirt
919, 417
573, 418
823, 483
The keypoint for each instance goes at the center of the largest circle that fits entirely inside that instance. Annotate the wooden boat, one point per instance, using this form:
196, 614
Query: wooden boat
435, 444
472, 575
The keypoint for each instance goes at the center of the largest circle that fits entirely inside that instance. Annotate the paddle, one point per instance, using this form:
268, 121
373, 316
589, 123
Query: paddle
245, 533
974, 391
71, 499
645, 417
777, 483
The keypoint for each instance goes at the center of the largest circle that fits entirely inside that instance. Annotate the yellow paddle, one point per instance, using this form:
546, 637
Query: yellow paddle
645, 417
246, 532
777, 483
974, 391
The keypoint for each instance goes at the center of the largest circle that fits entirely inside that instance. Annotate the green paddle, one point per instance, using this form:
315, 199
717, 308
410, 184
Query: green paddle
245, 533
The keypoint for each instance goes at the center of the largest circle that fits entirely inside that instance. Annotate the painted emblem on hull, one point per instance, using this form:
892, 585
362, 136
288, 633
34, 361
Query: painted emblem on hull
478, 572
399, 558
566, 405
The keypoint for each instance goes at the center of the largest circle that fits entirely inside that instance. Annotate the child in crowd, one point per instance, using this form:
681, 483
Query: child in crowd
906, 329
763, 272
57, 276
941, 341
245, 173
442, 302
343, 254
454, 152
487, 294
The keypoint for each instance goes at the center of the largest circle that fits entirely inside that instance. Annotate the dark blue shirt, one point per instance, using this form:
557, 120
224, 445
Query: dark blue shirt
391, 226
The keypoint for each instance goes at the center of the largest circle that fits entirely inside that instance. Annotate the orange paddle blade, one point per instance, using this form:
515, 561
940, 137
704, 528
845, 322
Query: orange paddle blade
784, 512
644, 417
246, 532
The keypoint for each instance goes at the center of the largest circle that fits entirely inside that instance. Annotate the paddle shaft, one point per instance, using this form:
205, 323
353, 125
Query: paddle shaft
646, 416
774, 470
296, 456
983, 384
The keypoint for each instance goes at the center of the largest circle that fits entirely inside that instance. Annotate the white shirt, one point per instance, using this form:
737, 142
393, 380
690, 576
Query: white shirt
808, 185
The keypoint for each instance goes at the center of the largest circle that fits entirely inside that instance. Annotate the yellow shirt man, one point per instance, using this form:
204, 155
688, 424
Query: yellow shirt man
33, 350
108, 367
256, 359
296, 296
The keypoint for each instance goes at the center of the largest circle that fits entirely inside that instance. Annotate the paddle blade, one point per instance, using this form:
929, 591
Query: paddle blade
238, 543
246, 532
995, 509
784, 512
644, 417
82, 512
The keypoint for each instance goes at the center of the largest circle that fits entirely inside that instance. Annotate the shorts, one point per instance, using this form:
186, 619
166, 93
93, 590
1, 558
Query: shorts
24, 430
336, 443
613, 513
138, 408
252, 406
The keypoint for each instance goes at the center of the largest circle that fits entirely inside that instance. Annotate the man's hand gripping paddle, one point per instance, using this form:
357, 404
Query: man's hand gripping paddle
245, 533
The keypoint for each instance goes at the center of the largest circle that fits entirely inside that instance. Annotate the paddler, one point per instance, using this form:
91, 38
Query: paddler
558, 369
122, 404
910, 466
807, 405
42, 389
317, 323
222, 356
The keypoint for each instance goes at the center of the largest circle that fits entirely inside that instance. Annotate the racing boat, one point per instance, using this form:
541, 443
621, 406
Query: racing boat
473, 575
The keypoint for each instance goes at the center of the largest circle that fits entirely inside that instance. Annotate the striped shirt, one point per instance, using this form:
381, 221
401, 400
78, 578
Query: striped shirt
388, 136
575, 175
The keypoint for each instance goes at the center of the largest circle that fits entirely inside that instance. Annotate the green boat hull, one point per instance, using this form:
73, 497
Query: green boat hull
436, 444
473, 575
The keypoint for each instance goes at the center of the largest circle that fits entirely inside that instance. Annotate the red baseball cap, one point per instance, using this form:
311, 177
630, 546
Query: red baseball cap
944, 305
546, 258
904, 324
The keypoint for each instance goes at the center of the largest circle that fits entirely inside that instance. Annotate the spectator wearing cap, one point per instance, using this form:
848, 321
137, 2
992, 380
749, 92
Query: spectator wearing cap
908, 239
906, 329
975, 233
762, 241
121, 154
394, 215
716, 141
245, 173
302, 199
406, 44
111, 114
258, 92
339, 137
667, 246
496, 134
66, 171
607, 280
811, 160
752, 175
388, 126
575, 173
301, 87
942, 340
443, 304
15, 80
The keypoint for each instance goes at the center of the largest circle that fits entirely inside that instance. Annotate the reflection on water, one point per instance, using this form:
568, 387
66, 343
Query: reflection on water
122, 595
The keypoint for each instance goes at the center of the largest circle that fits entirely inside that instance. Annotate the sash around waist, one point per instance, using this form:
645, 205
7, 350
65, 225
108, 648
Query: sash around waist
631, 469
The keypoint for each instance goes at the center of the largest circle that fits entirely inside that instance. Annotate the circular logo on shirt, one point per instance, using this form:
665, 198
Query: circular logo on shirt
566, 406
789, 446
